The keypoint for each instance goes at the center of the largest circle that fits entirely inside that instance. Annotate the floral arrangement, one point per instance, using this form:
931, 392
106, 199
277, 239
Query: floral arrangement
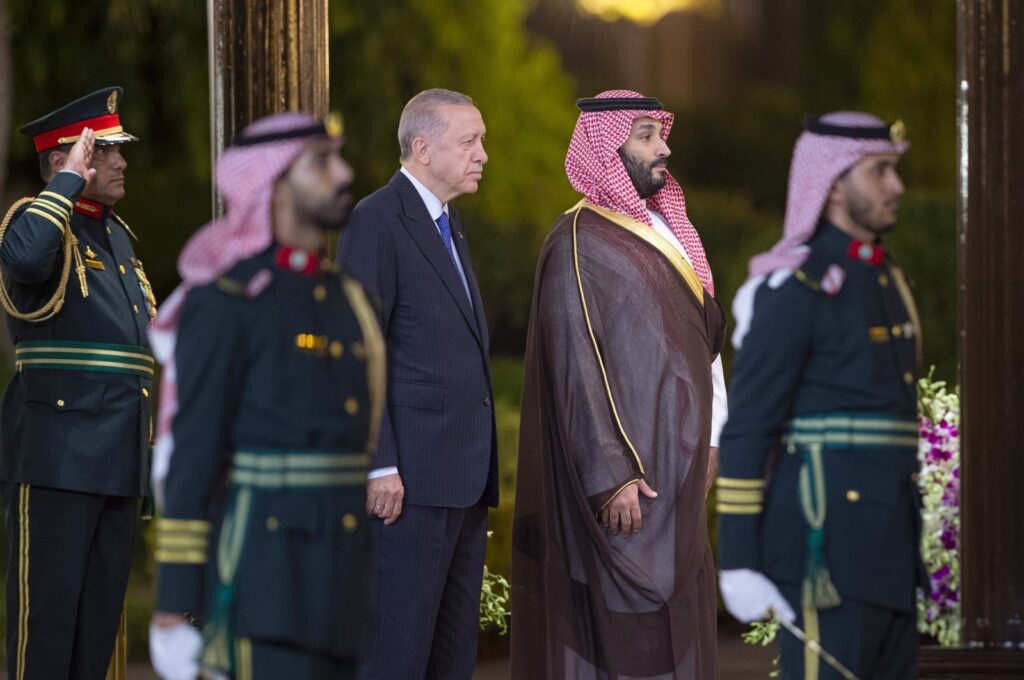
939, 481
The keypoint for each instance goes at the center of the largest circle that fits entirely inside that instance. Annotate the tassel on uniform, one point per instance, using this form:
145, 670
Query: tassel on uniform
218, 638
218, 635
818, 590
79, 267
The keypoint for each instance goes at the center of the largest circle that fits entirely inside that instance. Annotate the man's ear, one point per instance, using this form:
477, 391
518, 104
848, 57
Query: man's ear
282, 196
57, 160
421, 150
837, 194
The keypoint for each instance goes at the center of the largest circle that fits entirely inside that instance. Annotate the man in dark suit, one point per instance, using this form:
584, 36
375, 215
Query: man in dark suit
435, 469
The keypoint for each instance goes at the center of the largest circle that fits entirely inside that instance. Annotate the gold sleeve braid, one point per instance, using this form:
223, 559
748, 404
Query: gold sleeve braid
52, 306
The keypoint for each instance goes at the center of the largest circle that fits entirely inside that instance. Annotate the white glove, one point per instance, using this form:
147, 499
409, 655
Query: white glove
174, 651
749, 596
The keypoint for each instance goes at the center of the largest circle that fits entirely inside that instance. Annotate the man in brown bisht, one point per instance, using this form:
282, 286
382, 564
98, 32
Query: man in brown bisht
612, 573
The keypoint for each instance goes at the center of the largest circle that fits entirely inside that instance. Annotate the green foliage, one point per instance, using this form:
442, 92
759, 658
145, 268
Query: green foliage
896, 59
732, 230
763, 633
742, 146
924, 245
494, 602
477, 47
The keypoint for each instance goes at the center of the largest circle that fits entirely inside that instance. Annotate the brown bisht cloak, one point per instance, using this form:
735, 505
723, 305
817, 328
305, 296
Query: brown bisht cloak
617, 387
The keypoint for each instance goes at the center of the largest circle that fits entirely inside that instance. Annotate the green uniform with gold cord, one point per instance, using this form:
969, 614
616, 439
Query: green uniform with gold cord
818, 459
264, 537
75, 424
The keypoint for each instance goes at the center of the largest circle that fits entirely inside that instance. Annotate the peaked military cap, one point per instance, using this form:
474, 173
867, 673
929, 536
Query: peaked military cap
64, 126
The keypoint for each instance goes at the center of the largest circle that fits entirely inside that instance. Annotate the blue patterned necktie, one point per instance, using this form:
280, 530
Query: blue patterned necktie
446, 238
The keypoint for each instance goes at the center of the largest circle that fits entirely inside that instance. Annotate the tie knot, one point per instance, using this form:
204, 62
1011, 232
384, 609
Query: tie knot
442, 221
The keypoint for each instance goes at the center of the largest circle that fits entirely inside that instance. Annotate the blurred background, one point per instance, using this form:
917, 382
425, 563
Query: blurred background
739, 74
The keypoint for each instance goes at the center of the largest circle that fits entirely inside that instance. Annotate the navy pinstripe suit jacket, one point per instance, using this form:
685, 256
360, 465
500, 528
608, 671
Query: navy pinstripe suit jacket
438, 427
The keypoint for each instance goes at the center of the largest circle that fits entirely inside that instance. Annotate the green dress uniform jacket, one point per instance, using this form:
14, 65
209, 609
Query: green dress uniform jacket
77, 413
280, 381
818, 458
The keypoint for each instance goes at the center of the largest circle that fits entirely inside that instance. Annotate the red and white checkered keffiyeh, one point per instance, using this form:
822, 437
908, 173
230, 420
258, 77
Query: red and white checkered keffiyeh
596, 171
818, 161
245, 178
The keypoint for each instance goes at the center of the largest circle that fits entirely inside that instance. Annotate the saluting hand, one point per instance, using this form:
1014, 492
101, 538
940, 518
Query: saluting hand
384, 497
623, 512
81, 155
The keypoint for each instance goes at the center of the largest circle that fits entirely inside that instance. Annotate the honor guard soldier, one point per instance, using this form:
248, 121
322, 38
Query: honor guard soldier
76, 416
819, 513
278, 378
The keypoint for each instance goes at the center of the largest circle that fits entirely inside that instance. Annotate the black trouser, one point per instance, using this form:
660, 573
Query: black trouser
872, 642
67, 570
429, 567
264, 660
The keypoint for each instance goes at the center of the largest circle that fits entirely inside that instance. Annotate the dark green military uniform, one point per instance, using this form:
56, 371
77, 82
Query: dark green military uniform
264, 535
818, 458
75, 422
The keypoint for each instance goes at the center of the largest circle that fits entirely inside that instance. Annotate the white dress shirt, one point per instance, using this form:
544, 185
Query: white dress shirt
719, 402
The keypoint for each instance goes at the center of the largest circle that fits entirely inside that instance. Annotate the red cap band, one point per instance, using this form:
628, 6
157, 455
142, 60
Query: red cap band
52, 138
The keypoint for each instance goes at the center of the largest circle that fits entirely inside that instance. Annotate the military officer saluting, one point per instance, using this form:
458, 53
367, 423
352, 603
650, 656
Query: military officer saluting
279, 371
818, 510
76, 416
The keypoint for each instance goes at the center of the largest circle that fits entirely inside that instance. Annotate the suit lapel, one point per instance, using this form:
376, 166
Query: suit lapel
423, 231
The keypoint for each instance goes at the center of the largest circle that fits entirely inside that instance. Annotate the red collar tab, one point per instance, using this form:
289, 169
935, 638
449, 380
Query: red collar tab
97, 211
865, 252
68, 134
297, 260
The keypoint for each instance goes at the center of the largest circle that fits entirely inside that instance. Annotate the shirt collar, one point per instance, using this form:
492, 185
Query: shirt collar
433, 203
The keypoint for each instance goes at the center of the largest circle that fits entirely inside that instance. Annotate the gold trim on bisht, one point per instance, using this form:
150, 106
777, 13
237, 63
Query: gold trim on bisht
652, 238
597, 348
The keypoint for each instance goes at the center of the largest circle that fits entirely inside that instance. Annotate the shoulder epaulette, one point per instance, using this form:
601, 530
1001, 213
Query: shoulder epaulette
246, 279
821, 273
230, 286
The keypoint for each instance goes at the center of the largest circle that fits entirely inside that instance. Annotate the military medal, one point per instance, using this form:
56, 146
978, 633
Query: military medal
145, 287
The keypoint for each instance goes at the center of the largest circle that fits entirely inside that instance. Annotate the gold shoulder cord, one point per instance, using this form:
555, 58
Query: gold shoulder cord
56, 301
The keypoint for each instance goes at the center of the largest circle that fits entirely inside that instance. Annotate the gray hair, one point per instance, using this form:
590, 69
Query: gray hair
420, 117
